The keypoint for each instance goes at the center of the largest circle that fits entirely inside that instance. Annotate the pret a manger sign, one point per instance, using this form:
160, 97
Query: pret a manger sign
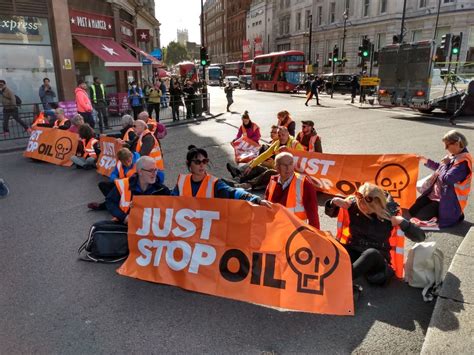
238, 250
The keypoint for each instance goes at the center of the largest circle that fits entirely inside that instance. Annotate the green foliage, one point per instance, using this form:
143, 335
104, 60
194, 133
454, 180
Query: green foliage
175, 53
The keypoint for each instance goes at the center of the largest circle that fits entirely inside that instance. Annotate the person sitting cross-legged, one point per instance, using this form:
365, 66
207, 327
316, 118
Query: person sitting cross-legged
143, 182
88, 149
292, 190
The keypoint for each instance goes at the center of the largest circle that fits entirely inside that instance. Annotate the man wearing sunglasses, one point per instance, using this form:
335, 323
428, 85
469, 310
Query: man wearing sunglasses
143, 182
308, 137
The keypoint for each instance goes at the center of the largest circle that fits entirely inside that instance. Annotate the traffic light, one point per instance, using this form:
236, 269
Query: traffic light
456, 45
365, 48
444, 46
335, 54
204, 57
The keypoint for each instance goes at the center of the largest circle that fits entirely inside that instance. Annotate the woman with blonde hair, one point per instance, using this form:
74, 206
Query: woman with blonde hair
285, 120
445, 193
370, 215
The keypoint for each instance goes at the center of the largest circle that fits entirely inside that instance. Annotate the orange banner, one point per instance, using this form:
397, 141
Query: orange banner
109, 147
338, 174
52, 145
233, 249
245, 149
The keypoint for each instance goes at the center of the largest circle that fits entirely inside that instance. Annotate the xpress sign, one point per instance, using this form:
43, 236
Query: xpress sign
265, 256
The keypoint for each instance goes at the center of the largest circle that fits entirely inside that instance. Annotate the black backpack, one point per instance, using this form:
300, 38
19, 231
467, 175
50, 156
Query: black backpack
107, 243
18, 100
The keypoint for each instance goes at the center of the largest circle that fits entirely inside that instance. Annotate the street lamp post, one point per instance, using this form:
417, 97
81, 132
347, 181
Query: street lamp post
343, 54
204, 83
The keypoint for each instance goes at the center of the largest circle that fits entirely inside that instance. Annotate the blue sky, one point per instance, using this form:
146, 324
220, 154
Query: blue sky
182, 14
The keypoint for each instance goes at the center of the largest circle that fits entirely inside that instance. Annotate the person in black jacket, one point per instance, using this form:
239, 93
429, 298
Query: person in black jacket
190, 99
176, 99
372, 215
144, 182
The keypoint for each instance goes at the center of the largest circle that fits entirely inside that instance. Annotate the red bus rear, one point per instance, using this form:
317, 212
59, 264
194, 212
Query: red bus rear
248, 67
234, 68
278, 71
187, 71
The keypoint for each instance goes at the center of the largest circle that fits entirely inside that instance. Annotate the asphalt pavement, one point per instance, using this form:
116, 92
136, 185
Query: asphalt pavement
52, 303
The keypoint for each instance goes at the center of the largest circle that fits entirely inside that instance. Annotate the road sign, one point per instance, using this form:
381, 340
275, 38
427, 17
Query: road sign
370, 81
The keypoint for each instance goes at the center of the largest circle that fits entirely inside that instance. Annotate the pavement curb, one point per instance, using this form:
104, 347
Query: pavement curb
451, 327
368, 107
17, 145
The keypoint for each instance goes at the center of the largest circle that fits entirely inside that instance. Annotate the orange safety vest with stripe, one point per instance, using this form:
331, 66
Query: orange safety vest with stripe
206, 190
396, 241
59, 124
294, 201
126, 136
155, 152
123, 187
463, 188
311, 143
121, 170
244, 131
89, 148
40, 119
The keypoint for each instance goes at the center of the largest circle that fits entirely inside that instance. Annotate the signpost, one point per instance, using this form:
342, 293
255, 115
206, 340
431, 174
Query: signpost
370, 81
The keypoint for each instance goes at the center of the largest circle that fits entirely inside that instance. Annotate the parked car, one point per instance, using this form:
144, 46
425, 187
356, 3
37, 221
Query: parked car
245, 81
342, 83
233, 80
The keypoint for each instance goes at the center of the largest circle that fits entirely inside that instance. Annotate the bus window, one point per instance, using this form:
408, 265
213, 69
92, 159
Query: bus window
294, 77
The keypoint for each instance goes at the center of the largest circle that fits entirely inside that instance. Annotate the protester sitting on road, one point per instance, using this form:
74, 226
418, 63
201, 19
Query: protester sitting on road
285, 120
200, 184
292, 190
248, 129
257, 173
147, 144
127, 134
308, 137
151, 123
143, 182
88, 149
40, 121
447, 191
76, 122
62, 122
365, 234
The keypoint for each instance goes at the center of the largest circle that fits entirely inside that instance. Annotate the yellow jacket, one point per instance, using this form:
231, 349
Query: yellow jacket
292, 143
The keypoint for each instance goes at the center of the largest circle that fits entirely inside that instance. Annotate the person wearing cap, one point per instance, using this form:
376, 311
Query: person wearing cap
308, 137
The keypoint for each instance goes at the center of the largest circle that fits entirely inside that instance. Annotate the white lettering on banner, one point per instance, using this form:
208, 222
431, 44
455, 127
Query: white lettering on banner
83, 21
107, 162
311, 166
201, 255
33, 141
21, 25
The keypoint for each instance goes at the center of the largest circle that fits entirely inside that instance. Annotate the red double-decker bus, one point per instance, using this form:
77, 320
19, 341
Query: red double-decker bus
234, 68
278, 71
248, 67
187, 71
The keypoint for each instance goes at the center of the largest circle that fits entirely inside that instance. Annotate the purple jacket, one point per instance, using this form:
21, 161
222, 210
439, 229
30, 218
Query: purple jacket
252, 134
450, 211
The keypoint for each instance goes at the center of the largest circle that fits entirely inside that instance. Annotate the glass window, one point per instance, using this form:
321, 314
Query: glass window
320, 15
24, 30
332, 12
294, 77
293, 58
366, 8
422, 3
298, 21
383, 6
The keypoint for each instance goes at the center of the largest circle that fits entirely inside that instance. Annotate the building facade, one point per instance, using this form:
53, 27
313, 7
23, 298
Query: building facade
215, 30
260, 27
68, 40
236, 16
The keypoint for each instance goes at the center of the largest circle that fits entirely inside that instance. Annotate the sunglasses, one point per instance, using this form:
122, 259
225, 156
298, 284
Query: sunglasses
359, 196
153, 171
199, 162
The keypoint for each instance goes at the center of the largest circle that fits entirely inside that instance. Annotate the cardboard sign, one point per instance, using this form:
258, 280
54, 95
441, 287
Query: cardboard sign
233, 249
109, 147
245, 149
52, 145
370, 81
343, 174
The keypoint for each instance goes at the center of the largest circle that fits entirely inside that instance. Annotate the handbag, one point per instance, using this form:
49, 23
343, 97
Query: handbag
107, 243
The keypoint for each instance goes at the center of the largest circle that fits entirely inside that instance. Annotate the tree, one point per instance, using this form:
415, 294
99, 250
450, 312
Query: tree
175, 53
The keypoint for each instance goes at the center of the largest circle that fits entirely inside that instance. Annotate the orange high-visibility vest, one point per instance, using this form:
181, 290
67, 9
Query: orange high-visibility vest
244, 131
89, 148
294, 201
312, 141
396, 241
155, 152
206, 190
123, 187
59, 124
126, 136
151, 123
40, 119
121, 170
463, 188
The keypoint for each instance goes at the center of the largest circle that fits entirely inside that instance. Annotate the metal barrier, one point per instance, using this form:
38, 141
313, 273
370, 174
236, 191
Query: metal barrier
187, 109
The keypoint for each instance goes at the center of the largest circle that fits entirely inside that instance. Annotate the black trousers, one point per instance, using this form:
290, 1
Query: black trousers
101, 108
136, 111
156, 107
105, 187
12, 113
370, 261
424, 208
88, 118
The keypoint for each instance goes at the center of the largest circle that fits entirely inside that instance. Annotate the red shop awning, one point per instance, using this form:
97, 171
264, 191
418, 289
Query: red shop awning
138, 50
112, 53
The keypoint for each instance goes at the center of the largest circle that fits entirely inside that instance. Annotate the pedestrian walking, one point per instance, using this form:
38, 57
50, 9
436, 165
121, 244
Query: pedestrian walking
83, 103
47, 95
176, 99
314, 92
164, 100
99, 102
10, 107
190, 99
228, 93
354, 88
135, 97
154, 98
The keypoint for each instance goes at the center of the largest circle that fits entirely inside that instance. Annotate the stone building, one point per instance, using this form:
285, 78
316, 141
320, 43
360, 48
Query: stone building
236, 16
260, 27
215, 30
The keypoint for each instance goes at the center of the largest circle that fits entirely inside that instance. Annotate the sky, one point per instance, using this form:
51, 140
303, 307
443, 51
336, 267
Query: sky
182, 14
